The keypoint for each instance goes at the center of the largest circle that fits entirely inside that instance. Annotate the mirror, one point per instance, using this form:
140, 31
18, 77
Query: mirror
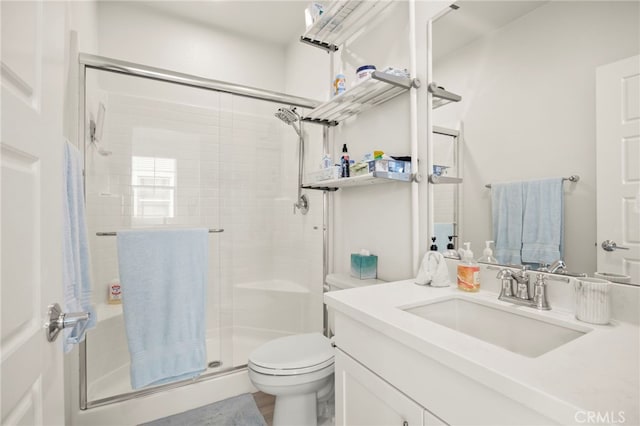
526, 71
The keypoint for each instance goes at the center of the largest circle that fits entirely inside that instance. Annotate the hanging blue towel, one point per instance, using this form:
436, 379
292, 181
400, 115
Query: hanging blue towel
163, 274
543, 223
75, 248
506, 210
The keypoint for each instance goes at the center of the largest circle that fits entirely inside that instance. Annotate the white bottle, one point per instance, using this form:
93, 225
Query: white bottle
487, 254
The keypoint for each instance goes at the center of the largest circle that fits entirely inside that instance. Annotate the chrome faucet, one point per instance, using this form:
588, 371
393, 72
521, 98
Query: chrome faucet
557, 267
522, 297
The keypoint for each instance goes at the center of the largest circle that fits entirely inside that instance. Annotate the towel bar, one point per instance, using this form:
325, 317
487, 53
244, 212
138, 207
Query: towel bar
113, 234
572, 178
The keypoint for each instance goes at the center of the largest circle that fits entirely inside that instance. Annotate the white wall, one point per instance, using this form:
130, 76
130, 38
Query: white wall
528, 109
132, 32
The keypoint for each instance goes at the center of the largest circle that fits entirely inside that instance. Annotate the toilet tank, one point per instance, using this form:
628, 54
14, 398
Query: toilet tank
336, 282
345, 281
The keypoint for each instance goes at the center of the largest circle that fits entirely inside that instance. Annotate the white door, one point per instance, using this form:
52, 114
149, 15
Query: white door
618, 167
32, 57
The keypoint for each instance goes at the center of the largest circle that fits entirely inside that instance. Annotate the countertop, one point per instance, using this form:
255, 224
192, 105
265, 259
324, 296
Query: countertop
598, 372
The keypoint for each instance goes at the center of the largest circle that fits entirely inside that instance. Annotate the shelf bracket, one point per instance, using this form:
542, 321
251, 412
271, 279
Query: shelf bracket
435, 179
394, 80
328, 47
324, 188
440, 92
328, 123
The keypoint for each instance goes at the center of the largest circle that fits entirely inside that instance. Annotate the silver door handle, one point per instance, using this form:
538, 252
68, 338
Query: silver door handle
58, 321
610, 245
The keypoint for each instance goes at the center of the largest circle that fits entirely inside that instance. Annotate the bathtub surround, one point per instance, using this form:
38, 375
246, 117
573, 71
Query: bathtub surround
164, 278
239, 410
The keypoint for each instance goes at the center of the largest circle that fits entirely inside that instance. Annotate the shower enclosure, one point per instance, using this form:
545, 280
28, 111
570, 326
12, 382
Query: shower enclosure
164, 149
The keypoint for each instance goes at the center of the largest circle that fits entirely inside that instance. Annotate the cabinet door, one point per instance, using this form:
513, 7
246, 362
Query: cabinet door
364, 399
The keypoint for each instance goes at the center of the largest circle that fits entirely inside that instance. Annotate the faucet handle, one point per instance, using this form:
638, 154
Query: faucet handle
540, 293
544, 267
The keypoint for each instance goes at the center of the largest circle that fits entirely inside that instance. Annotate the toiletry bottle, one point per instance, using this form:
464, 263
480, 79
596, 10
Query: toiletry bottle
344, 162
433, 247
326, 161
468, 271
487, 254
339, 84
115, 292
451, 252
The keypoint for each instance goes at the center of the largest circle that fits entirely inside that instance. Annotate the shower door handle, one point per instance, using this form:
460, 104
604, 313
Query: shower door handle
59, 320
216, 230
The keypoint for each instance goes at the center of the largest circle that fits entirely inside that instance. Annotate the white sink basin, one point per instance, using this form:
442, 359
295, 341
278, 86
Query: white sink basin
514, 331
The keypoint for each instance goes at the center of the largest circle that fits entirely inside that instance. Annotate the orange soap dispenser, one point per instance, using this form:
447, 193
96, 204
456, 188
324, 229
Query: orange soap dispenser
468, 271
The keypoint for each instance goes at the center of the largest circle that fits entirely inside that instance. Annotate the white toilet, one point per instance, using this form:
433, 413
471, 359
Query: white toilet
296, 369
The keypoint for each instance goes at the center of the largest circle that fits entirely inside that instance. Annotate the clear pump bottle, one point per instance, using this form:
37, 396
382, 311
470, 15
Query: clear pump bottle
451, 252
487, 254
468, 271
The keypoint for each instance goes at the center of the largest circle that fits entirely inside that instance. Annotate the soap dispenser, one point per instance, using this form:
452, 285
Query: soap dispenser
468, 271
487, 254
451, 252
433, 247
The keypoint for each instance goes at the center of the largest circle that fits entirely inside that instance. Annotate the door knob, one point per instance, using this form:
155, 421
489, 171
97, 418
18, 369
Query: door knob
610, 245
58, 321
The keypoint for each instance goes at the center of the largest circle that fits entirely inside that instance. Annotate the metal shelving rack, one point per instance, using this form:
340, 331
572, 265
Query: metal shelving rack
372, 178
340, 20
377, 89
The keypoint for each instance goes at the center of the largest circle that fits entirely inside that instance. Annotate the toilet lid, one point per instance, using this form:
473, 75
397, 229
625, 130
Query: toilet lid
297, 354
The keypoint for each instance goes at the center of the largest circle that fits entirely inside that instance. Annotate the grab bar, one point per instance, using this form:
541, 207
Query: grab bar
113, 234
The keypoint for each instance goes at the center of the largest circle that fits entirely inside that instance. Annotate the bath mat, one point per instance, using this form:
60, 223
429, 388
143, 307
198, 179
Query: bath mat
239, 410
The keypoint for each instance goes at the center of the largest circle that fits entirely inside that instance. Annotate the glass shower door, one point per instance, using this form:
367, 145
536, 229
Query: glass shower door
153, 162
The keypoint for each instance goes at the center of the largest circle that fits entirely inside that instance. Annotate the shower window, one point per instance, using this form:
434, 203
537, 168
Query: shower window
153, 182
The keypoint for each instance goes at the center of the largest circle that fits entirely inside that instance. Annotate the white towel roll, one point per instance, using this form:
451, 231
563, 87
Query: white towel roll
433, 271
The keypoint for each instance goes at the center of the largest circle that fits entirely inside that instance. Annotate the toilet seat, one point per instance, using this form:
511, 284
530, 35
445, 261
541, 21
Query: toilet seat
293, 355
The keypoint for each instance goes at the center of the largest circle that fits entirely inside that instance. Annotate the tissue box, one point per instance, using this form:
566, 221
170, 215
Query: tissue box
385, 165
364, 267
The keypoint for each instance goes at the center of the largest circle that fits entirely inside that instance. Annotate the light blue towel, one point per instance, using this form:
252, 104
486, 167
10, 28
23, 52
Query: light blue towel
543, 223
163, 274
75, 248
507, 213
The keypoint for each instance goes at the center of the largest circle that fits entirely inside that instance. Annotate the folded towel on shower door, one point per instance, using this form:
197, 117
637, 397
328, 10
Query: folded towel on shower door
543, 222
507, 212
163, 274
75, 249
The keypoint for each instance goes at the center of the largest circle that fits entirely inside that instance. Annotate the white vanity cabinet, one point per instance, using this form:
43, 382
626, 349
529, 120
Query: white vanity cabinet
364, 398
382, 381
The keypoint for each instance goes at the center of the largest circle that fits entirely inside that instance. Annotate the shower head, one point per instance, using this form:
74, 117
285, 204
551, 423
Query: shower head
288, 115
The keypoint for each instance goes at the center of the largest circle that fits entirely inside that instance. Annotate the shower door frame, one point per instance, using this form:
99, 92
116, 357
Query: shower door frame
102, 63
